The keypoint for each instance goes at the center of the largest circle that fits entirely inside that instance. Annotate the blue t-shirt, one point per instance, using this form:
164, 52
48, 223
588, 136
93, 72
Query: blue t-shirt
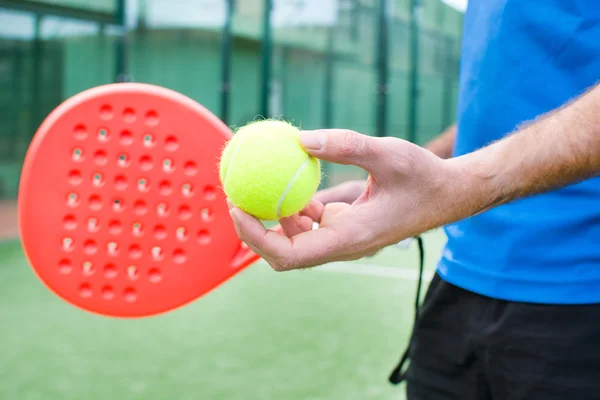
520, 59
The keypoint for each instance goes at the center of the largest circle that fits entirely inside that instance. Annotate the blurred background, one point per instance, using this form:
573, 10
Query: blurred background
380, 67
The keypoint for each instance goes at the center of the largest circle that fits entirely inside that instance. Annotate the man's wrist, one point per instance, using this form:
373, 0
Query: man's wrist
556, 149
476, 185
506, 170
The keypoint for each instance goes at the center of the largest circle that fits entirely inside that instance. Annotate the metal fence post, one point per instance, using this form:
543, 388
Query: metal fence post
226, 49
122, 45
266, 60
413, 84
382, 68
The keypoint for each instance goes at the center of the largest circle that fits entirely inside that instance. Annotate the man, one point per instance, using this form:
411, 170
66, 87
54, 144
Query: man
514, 309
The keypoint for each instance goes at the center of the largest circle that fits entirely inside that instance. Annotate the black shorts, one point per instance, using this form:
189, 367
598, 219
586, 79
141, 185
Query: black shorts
468, 346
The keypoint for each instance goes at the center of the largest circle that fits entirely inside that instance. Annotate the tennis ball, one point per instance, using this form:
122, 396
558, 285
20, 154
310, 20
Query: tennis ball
265, 171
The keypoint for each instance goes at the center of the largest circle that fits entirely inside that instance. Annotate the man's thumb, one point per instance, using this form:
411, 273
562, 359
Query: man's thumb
342, 146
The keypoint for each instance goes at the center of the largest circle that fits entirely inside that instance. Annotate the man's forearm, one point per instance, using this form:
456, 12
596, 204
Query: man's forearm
443, 144
560, 148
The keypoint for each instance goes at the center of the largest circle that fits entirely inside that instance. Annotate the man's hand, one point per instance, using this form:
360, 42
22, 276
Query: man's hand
348, 192
405, 195
411, 190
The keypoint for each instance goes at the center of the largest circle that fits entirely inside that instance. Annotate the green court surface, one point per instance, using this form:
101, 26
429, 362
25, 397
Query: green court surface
333, 332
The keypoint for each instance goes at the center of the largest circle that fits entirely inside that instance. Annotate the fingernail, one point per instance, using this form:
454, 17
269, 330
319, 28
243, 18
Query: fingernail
229, 204
313, 140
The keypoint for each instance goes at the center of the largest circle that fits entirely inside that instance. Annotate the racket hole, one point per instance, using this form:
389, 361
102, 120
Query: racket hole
168, 165
130, 295
95, 202
154, 275
121, 182
80, 132
103, 135
206, 215
108, 293
157, 253
98, 179
160, 232
190, 168
165, 188
181, 233
171, 143
69, 222
110, 271
114, 227
112, 248
179, 256
210, 193
143, 185
87, 268
126, 138
162, 209
133, 273
129, 115
92, 224
106, 112
75, 177
65, 267
77, 154
186, 190
123, 160
67, 244
140, 207
72, 199
85, 290
185, 212
118, 205
203, 237
146, 163
136, 229
90, 247
151, 118
135, 252
148, 140
100, 157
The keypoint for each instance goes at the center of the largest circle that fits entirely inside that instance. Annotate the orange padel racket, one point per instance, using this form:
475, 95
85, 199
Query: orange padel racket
120, 208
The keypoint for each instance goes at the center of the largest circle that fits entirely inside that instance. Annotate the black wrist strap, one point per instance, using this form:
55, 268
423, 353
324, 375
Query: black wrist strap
398, 375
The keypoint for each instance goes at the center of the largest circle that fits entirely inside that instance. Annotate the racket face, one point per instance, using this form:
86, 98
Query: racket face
120, 208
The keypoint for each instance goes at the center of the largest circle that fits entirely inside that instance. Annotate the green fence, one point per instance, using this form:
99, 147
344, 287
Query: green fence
355, 74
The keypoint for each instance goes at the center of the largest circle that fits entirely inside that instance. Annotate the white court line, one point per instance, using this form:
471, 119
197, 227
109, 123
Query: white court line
407, 274
350, 268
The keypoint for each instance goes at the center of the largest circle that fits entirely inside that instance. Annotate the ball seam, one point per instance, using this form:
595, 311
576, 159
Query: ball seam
235, 151
290, 184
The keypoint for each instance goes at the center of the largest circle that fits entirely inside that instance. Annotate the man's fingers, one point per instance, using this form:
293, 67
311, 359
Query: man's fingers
306, 249
344, 147
302, 221
313, 210
247, 226
330, 211
296, 224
